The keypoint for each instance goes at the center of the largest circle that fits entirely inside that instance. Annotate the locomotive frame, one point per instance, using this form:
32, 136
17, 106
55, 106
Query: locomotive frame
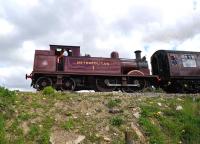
75, 72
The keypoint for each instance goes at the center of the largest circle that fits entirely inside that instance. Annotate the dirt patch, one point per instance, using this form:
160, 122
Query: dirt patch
63, 137
25, 127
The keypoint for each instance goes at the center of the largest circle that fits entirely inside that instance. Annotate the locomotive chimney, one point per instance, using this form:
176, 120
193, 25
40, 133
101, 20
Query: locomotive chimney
138, 54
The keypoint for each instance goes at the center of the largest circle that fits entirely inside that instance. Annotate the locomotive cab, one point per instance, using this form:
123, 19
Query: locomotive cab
64, 51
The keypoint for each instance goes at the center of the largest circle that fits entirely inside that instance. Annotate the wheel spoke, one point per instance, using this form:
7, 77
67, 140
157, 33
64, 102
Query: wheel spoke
43, 82
141, 83
68, 84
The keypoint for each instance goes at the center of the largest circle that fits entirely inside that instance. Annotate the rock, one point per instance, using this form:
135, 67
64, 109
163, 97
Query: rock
136, 112
178, 108
98, 110
107, 139
179, 99
159, 104
97, 135
79, 139
107, 128
113, 111
137, 109
75, 117
136, 115
115, 134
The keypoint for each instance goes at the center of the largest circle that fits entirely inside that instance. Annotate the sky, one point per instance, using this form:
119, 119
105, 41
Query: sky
98, 26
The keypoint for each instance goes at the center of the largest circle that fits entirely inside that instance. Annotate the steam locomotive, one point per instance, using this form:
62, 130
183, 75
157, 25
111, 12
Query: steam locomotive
63, 68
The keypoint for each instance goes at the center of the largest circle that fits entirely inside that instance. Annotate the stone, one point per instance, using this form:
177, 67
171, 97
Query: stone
113, 111
107, 139
136, 109
75, 117
179, 99
98, 110
178, 108
159, 104
136, 115
79, 139
107, 128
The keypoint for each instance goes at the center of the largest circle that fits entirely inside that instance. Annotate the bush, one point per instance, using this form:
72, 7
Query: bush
49, 90
68, 125
112, 103
7, 95
7, 99
116, 121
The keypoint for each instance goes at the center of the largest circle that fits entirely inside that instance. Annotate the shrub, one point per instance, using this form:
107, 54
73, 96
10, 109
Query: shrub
7, 96
7, 99
49, 90
34, 132
69, 124
116, 121
113, 102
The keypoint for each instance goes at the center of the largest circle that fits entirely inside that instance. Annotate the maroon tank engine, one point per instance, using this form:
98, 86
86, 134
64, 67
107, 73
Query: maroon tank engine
63, 68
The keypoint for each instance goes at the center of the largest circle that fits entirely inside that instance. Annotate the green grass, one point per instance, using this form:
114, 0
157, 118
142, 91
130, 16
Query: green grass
152, 131
2, 131
34, 132
172, 126
68, 125
113, 103
116, 121
24, 116
7, 100
27, 117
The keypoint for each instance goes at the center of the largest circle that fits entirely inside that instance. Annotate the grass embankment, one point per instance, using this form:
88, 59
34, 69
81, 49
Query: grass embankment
50, 116
172, 120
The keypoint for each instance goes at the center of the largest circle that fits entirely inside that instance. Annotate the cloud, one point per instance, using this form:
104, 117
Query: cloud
137, 19
185, 28
37, 26
14, 77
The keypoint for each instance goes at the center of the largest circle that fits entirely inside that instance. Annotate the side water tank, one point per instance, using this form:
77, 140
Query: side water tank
114, 55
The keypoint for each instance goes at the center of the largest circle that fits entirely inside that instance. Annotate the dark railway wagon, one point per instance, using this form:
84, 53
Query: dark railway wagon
65, 69
179, 71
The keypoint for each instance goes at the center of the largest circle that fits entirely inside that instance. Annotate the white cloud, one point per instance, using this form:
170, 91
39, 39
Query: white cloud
5, 27
14, 77
26, 4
